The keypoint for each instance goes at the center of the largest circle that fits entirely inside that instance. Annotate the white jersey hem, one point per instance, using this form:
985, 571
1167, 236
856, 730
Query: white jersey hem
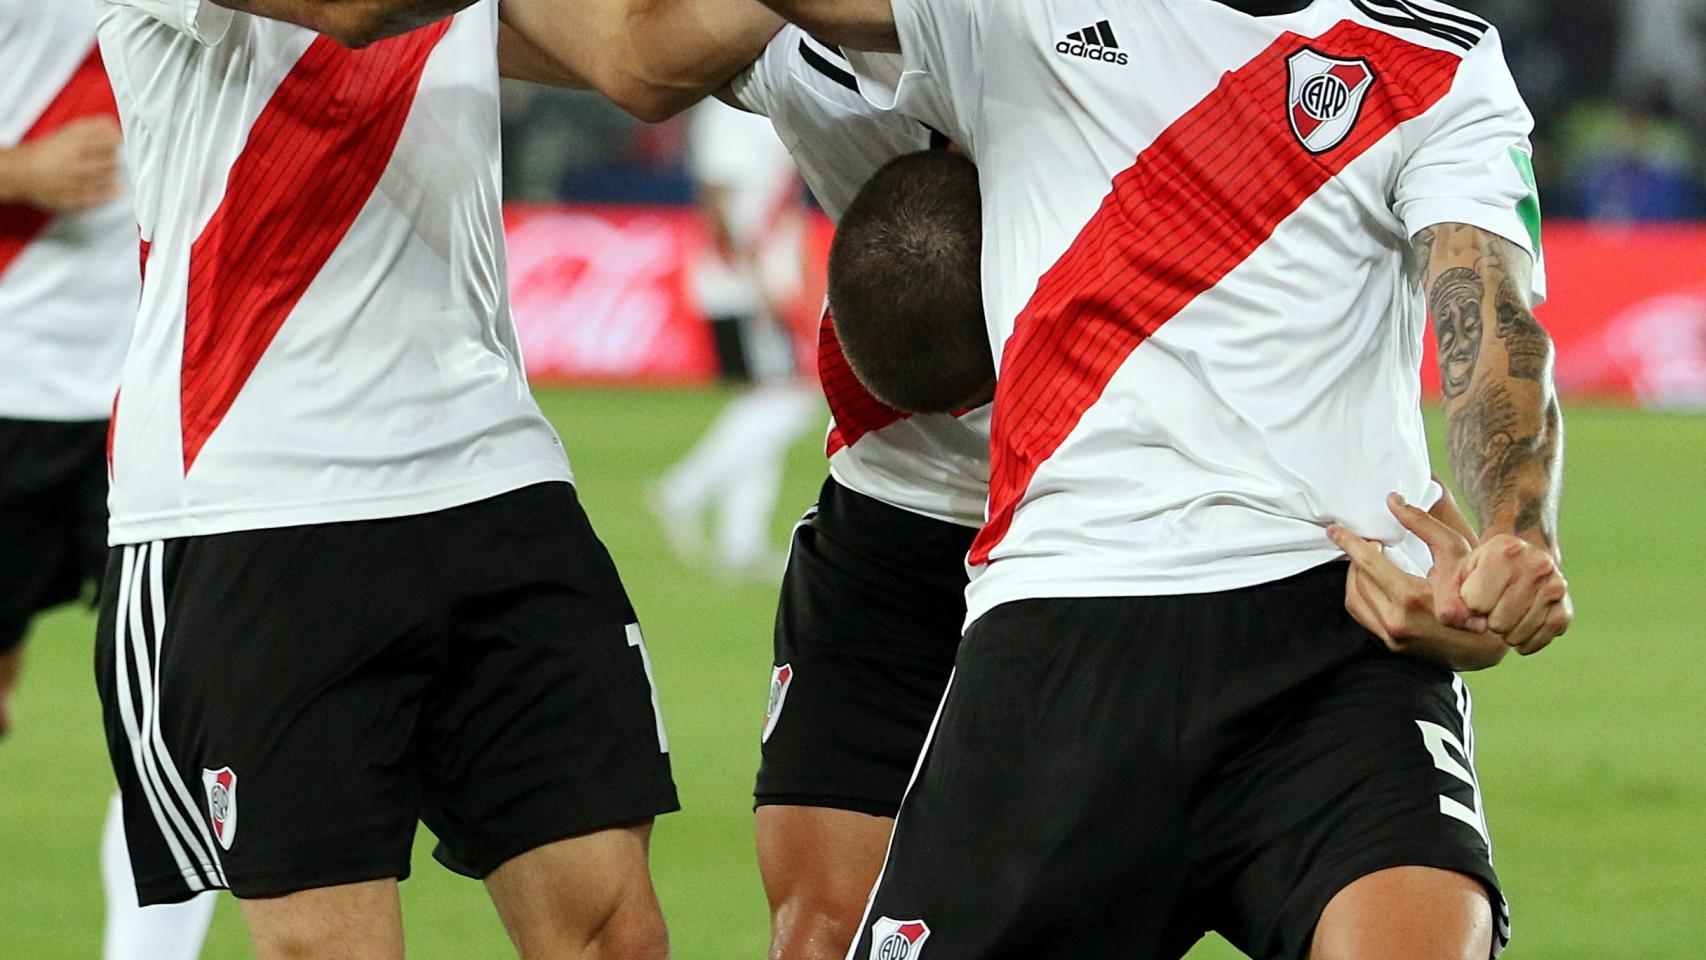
852, 481
1023, 581
178, 525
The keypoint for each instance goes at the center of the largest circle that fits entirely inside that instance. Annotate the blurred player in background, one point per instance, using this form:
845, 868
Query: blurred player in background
353, 588
744, 281
68, 288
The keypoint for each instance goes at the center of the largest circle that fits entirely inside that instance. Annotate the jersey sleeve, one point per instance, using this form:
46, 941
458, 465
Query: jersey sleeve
938, 77
756, 88
1475, 166
201, 20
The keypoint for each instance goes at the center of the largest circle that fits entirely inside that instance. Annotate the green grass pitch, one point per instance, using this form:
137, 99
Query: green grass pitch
1591, 755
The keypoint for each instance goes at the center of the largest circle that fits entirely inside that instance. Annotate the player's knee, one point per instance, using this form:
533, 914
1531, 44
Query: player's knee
813, 927
1407, 913
635, 930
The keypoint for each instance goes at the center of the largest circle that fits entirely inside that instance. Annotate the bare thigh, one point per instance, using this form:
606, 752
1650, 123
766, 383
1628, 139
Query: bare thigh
357, 921
584, 898
1407, 913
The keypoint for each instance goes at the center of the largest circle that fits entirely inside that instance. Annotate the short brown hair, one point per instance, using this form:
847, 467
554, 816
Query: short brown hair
905, 285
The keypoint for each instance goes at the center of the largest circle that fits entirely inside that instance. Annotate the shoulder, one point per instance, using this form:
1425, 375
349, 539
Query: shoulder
1428, 22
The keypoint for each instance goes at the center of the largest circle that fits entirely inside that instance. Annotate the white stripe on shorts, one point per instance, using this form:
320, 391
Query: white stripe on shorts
163, 757
126, 689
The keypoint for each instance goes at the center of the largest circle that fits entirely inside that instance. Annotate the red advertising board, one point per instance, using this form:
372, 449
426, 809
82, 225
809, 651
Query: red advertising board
601, 297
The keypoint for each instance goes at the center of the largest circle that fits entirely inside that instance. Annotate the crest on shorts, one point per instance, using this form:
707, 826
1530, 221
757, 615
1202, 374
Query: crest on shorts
1326, 99
780, 679
898, 939
221, 786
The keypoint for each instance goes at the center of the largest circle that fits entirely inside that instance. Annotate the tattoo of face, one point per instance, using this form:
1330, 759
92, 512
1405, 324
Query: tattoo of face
1525, 340
1456, 303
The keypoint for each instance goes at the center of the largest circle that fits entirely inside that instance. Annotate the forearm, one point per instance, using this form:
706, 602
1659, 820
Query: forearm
15, 175
860, 24
520, 59
354, 23
1504, 426
653, 58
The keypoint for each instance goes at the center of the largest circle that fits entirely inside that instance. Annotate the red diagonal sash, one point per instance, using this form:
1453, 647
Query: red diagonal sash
1194, 206
313, 159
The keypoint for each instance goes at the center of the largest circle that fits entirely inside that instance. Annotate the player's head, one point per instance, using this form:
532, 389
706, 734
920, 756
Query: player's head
905, 288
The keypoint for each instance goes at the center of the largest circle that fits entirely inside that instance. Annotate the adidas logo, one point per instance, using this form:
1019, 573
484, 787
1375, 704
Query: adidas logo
1094, 42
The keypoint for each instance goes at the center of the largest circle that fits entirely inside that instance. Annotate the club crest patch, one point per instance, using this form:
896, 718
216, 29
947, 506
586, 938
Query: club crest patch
898, 939
1326, 99
221, 786
780, 679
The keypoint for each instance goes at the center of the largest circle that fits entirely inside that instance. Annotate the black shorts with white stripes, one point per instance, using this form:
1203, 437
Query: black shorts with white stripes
1113, 777
872, 607
284, 706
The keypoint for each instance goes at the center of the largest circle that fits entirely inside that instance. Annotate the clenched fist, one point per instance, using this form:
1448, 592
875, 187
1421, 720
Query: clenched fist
1478, 603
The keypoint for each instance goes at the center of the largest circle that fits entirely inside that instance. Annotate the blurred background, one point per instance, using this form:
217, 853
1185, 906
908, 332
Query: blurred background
1618, 91
1591, 757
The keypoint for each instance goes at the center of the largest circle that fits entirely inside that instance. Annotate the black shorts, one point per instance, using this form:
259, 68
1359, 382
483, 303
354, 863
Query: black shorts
1114, 777
284, 706
53, 517
873, 604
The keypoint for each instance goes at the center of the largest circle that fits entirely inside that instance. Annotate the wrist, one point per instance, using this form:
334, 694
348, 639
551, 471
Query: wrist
17, 175
1543, 540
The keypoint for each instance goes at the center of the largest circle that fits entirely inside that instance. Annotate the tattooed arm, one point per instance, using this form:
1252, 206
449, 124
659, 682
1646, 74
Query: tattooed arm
1504, 428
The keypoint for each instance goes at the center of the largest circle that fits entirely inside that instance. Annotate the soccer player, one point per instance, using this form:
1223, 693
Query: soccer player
750, 195
352, 588
873, 602
1218, 226
68, 290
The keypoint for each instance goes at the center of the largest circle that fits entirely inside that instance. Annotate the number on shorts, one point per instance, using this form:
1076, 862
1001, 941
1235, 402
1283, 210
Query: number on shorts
1438, 739
638, 641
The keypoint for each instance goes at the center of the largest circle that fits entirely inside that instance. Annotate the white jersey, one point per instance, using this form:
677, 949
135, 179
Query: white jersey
1197, 279
936, 466
68, 282
325, 332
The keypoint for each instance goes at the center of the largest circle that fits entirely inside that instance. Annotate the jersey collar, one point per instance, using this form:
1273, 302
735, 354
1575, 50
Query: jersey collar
1267, 8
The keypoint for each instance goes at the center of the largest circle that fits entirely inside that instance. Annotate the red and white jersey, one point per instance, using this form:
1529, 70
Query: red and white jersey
325, 331
68, 282
936, 466
1197, 269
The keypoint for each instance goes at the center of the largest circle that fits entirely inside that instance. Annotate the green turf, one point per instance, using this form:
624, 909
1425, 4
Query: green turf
1590, 755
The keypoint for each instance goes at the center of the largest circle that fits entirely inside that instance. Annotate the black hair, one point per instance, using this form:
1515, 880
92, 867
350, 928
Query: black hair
905, 285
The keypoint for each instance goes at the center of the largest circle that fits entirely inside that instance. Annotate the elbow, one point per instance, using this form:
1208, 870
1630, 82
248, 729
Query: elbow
355, 33
650, 108
655, 109
358, 25
651, 102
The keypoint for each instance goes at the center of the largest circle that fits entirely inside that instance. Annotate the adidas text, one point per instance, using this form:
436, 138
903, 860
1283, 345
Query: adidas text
1093, 53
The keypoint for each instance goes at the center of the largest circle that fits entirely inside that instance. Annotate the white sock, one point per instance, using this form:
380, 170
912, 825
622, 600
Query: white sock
166, 932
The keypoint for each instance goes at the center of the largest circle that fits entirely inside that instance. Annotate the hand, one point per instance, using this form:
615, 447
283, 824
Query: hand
73, 168
1518, 589
1401, 609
